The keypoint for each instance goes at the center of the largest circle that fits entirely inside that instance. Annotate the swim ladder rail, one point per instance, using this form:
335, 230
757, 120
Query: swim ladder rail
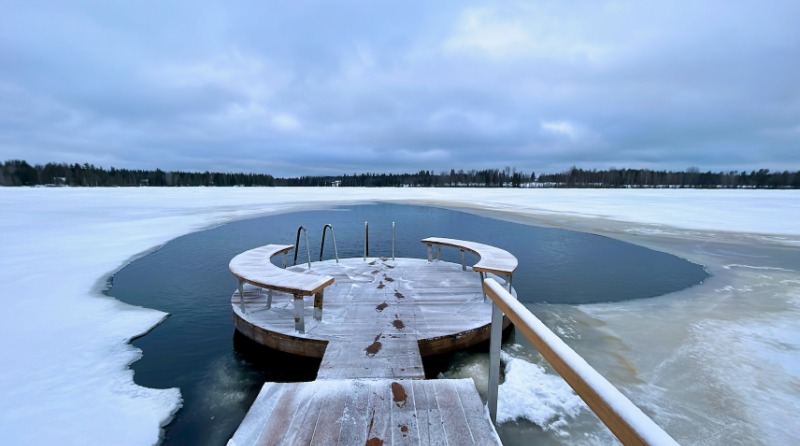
625, 420
297, 245
322, 245
366, 240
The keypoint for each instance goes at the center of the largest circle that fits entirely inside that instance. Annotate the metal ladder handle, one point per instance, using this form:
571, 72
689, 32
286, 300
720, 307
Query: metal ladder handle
297, 245
322, 245
366, 240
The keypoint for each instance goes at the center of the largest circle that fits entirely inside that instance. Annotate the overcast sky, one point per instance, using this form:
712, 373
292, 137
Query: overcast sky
306, 88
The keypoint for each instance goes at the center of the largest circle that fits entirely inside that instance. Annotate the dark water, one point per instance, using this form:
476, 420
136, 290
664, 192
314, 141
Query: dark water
219, 373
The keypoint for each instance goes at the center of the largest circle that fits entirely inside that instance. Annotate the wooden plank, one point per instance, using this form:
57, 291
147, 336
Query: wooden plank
475, 413
252, 425
309, 403
429, 420
329, 423
355, 417
404, 422
454, 422
379, 430
276, 421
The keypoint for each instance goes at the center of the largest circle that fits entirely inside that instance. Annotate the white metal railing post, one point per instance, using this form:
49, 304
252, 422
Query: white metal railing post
494, 361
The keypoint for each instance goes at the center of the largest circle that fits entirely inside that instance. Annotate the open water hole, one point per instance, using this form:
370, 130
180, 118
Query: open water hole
220, 373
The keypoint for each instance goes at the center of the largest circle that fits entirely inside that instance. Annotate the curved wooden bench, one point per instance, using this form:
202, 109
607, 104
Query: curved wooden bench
490, 258
254, 267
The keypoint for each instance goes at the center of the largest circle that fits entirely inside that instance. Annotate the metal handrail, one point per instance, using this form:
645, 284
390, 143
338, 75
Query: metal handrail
297, 245
322, 245
630, 425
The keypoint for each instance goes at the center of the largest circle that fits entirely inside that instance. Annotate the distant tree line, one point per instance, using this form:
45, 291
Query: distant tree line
692, 177
423, 178
20, 173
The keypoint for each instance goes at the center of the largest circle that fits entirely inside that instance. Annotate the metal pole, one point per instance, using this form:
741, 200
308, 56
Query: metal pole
297, 243
308, 249
241, 295
366, 240
322, 245
335, 250
494, 361
393, 237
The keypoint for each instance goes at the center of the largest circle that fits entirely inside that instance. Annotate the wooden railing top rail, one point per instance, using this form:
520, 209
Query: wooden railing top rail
620, 415
254, 267
492, 259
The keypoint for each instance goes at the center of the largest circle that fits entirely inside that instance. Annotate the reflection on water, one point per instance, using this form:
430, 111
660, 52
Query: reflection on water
189, 278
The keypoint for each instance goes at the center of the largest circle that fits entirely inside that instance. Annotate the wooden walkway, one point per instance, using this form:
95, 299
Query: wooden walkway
367, 412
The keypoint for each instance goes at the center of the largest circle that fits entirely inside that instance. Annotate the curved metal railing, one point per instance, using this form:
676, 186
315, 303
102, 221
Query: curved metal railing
297, 245
322, 245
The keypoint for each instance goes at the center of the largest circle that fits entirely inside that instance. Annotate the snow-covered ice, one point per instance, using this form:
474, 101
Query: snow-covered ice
65, 376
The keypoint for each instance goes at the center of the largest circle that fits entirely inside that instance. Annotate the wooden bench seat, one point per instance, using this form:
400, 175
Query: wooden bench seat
254, 267
490, 258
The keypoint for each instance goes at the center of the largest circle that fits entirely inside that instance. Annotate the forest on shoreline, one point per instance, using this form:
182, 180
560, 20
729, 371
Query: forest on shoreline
21, 173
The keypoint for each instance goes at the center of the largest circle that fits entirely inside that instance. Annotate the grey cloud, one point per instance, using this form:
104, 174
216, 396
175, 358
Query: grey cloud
296, 89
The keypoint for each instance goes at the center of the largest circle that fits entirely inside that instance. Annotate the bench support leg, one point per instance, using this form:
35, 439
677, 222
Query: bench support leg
430, 253
482, 275
299, 322
464, 263
318, 306
269, 298
241, 295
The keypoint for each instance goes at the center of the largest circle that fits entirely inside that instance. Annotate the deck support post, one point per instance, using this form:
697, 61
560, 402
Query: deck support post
494, 361
241, 295
318, 306
299, 322
483, 277
269, 298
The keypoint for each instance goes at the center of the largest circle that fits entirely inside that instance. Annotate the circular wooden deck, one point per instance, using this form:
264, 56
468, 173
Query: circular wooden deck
434, 303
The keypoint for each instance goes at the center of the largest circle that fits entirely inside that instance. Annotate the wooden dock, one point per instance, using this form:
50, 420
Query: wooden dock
376, 321
394, 302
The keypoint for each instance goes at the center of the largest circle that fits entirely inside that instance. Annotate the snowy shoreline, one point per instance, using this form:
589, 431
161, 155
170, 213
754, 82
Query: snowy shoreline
70, 344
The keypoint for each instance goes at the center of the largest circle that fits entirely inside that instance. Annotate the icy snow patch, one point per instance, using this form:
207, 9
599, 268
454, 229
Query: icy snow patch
530, 393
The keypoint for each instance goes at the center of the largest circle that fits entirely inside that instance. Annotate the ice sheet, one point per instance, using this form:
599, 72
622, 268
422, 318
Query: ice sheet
65, 376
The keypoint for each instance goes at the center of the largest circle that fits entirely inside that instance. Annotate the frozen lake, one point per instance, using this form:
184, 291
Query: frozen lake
189, 279
713, 364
